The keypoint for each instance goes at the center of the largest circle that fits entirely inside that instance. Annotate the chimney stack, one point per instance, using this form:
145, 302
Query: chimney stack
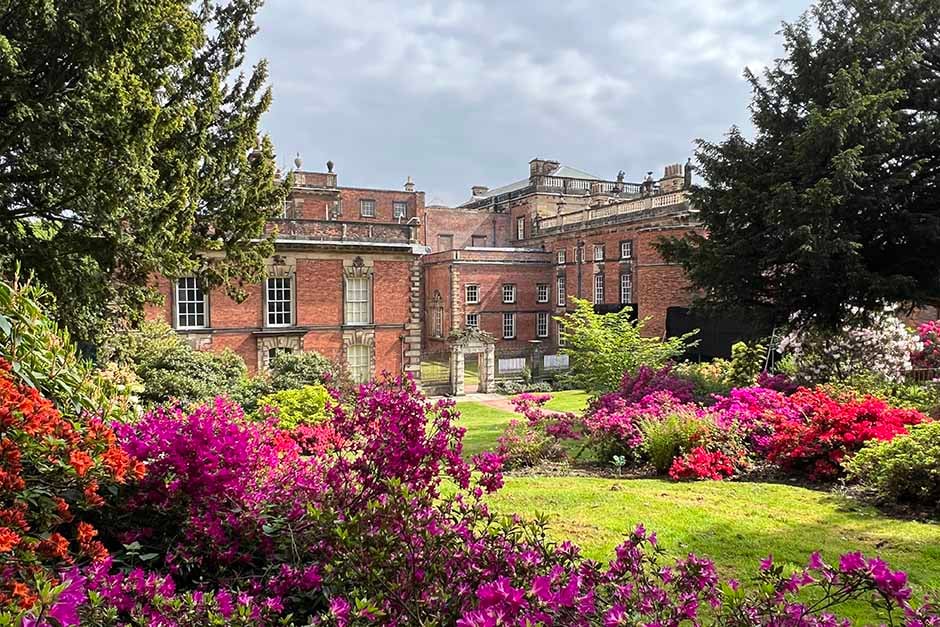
673, 180
409, 185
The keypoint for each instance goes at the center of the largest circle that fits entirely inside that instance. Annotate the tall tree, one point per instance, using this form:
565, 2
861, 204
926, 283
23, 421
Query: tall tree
129, 146
835, 203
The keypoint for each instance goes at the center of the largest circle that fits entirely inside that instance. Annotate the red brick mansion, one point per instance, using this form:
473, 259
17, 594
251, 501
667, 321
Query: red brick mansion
377, 279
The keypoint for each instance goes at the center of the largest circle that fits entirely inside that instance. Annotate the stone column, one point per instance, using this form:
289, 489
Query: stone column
413, 327
488, 370
456, 371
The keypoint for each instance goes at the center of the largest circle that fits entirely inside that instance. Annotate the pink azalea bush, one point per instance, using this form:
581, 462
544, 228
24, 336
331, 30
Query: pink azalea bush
929, 354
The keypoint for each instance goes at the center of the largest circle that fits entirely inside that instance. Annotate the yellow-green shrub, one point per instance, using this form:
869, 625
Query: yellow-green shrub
306, 405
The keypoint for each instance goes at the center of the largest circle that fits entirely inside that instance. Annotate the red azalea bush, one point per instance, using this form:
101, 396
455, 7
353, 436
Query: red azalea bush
702, 464
823, 431
53, 473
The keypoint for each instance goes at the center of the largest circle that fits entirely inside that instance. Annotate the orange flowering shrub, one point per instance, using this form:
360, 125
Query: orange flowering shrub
52, 470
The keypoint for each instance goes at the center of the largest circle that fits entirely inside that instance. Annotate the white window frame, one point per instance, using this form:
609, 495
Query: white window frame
626, 288
560, 257
357, 308
399, 209
358, 358
598, 252
520, 227
543, 293
472, 321
509, 297
598, 289
475, 289
626, 246
276, 307
367, 202
560, 289
196, 298
541, 324
509, 325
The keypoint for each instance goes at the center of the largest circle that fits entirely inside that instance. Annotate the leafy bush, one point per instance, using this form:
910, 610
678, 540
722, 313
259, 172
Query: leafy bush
746, 363
169, 368
291, 371
602, 347
904, 470
293, 408
512, 387
708, 379
53, 472
521, 445
753, 412
42, 355
823, 431
667, 437
613, 425
876, 343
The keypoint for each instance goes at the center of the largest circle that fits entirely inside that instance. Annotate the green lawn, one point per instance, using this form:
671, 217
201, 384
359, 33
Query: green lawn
735, 523
568, 400
484, 425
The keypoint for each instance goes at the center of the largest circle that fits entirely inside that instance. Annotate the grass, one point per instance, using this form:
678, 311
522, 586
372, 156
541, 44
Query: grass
735, 523
568, 400
484, 425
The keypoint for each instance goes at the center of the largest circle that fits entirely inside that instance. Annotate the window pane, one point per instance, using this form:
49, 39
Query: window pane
359, 366
280, 301
190, 304
358, 309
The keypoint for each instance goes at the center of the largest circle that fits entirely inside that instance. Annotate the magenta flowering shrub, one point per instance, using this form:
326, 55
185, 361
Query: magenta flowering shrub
213, 475
612, 423
636, 387
540, 438
753, 411
929, 354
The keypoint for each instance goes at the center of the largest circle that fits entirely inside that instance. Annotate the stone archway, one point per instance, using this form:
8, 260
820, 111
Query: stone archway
470, 342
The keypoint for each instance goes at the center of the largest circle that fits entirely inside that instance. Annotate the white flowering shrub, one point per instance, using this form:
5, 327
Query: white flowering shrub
881, 345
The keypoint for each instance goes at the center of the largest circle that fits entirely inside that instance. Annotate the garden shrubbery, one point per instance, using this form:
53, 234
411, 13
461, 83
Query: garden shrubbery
295, 407
902, 471
199, 515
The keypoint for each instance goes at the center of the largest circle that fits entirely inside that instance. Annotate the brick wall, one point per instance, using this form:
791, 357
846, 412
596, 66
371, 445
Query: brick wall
656, 285
318, 306
463, 224
384, 204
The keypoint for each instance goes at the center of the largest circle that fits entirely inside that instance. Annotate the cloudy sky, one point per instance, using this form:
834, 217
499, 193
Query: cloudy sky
462, 92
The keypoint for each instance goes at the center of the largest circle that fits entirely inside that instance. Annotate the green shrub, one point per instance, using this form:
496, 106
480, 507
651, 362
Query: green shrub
293, 408
708, 378
169, 368
746, 363
292, 371
602, 347
523, 445
44, 356
904, 470
248, 391
668, 437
